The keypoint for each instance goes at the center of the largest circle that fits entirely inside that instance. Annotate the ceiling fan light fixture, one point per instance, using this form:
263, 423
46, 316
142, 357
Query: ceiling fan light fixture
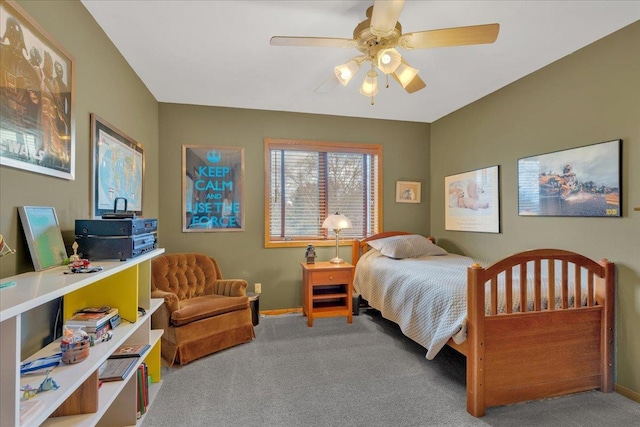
389, 60
405, 74
370, 84
345, 72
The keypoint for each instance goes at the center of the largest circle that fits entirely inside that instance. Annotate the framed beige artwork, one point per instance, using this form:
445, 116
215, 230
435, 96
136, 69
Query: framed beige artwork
408, 192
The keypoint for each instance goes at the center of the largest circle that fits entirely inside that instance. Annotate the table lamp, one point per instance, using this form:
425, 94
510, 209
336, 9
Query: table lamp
337, 222
5, 250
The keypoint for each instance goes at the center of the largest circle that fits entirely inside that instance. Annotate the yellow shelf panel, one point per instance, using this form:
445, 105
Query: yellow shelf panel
152, 358
119, 290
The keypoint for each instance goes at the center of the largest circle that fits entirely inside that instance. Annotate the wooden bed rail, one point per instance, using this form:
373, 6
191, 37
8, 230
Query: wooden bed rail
537, 257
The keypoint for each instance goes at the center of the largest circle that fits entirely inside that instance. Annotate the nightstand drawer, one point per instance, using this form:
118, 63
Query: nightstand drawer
330, 277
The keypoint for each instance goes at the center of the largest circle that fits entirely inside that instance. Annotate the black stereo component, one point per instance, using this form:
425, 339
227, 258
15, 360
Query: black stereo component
116, 227
115, 247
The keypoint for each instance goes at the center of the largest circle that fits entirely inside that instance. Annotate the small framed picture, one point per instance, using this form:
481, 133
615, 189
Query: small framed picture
42, 231
408, 191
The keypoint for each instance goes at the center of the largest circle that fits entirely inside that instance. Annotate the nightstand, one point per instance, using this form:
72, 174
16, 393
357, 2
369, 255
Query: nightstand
326, 290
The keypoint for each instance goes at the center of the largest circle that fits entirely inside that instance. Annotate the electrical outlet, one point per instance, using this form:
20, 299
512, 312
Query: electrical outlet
257, 287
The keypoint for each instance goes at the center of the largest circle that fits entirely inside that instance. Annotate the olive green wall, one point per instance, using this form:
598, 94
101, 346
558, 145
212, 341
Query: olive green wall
590, 96
106, 85
242, 254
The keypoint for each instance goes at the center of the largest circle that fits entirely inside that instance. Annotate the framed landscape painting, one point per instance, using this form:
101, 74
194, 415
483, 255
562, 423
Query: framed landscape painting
583, 181
472, 201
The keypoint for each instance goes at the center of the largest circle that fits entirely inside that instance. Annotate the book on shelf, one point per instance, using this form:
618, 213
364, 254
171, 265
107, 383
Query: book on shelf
91, 320
117, 369
98, 332
143, 389
130, 350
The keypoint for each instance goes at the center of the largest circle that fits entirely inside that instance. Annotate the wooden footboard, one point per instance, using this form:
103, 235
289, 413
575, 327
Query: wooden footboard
539, 352
525, 355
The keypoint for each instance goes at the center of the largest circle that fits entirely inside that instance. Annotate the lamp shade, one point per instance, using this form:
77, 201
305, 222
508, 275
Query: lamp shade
345, 72
389, 60
370, 84
337, 222
405, 74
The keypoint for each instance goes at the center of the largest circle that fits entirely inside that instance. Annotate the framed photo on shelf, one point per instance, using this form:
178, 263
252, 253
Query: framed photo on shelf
472, 201
37, 126
212, 188
118, 169
42, 230
583, 181
408, 191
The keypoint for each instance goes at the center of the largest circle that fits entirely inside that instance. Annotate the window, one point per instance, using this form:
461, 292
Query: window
306, 181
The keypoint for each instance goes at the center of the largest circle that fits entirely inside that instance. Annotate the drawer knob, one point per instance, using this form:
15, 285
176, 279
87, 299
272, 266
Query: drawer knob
330, 277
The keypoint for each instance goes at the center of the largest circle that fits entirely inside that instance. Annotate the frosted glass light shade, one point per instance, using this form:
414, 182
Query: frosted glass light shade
337, 222
405, 74
389, 60
345, 72
370, 84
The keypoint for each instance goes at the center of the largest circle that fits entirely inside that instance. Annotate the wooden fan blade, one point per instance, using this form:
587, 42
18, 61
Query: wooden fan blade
312, 41
414, 85
385, 16
459, 36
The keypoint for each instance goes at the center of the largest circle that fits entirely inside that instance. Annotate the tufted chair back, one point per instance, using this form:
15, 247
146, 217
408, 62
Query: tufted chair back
188, 275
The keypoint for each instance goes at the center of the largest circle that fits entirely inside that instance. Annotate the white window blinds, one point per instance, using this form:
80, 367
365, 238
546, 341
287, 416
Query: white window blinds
308, 181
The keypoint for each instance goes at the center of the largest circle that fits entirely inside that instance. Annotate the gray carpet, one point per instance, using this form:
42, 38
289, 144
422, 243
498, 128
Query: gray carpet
363, 374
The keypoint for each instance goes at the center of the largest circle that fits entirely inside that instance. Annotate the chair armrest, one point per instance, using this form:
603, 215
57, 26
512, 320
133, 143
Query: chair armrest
229, 287
171, 300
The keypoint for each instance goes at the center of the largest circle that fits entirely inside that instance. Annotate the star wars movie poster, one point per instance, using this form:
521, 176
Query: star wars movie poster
36, 121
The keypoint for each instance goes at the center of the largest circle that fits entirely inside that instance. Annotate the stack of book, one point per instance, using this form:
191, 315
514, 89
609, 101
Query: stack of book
94, 323
121, 362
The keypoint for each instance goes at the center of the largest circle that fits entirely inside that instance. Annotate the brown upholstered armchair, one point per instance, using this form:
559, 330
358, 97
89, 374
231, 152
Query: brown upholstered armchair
202, 312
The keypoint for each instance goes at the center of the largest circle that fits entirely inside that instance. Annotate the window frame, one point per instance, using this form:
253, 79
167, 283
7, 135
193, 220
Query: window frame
320, 146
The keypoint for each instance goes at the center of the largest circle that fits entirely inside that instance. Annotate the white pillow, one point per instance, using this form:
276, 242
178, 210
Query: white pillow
406, 246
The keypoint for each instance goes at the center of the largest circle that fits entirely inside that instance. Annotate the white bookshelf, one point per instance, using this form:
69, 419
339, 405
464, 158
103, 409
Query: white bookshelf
79, 401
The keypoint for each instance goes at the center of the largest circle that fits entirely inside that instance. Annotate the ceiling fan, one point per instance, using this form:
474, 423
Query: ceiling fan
378, 36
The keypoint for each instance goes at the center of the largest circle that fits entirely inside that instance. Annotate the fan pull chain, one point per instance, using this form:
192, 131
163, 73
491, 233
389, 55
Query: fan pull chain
387, 86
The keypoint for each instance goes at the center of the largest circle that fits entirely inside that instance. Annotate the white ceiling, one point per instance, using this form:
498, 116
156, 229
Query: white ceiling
217, 53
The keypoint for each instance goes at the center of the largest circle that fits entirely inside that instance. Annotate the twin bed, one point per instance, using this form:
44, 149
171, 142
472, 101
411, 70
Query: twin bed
559, 341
